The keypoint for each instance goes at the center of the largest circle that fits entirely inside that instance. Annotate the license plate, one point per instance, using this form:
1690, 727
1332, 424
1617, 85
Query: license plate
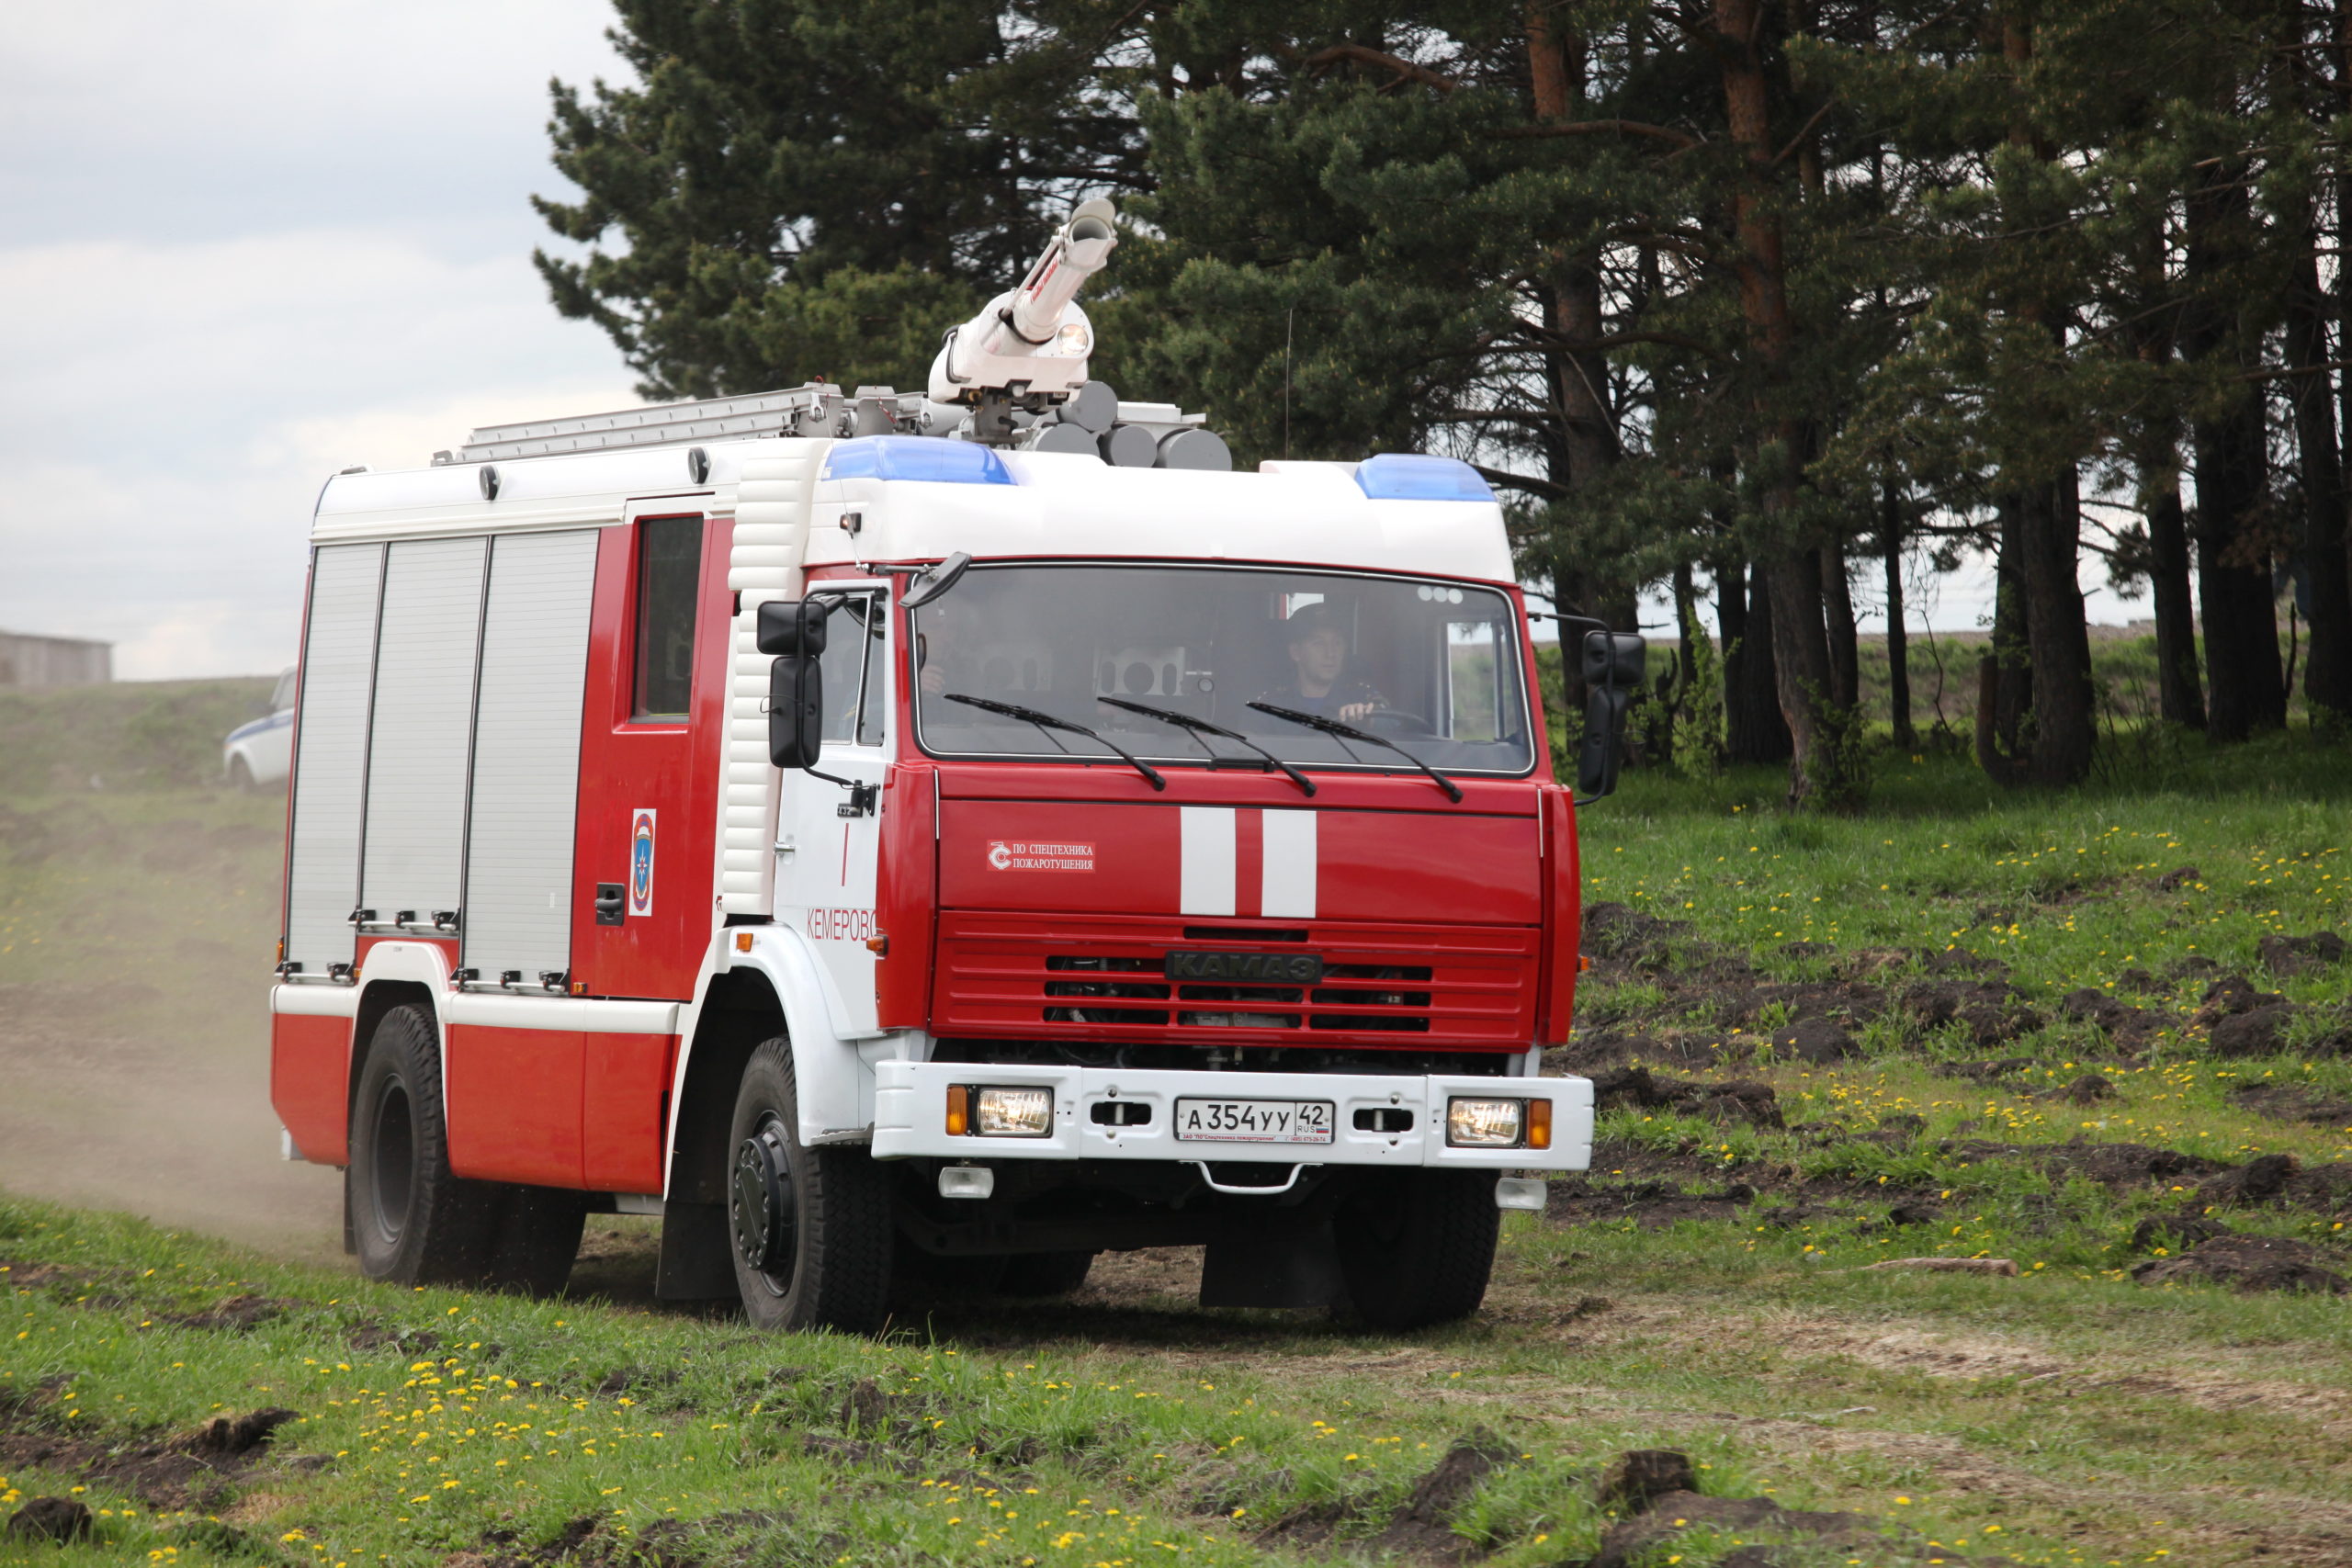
1254, 1121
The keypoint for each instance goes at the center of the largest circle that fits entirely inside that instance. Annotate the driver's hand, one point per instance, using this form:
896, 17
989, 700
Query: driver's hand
1354, 711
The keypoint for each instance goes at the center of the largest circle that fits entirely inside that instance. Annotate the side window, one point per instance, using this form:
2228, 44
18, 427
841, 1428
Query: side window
855, 698
1475, 678
669, 574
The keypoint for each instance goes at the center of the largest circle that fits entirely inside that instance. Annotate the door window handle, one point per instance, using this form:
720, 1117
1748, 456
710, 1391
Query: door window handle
609, 901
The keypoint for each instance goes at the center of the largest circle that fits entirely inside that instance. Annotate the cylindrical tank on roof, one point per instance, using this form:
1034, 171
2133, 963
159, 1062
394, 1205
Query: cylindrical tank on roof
1093, 407
1060, 437
1195, 448
1129, 447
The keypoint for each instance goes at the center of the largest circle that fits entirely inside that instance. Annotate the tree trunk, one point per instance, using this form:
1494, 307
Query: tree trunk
1588, 446
1838, 610
2180, 696
2049, 529
2243, 682
1898, 636
1753, 730
2327, 671
2005, 684
1821, 769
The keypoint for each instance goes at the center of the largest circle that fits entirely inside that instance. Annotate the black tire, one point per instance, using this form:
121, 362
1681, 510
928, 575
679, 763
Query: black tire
809, 1228
1032, 1275
1417, 1247
537, 1239
412, 1220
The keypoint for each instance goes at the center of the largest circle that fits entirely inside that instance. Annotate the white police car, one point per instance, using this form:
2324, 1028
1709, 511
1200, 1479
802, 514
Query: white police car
261, 752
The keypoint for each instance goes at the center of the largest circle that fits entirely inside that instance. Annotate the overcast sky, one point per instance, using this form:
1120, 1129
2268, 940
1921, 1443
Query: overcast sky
246, 244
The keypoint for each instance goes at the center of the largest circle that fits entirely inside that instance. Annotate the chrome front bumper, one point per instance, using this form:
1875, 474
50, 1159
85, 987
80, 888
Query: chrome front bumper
910, 1116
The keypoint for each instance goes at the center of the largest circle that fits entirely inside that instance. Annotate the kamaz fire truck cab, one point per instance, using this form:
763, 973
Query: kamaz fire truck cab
965, 832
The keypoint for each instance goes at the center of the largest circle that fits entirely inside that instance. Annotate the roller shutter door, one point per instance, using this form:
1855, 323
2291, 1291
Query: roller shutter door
527, 754
413, 851
331, 755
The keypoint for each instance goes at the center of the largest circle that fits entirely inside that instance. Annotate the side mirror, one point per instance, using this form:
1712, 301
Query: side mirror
1597, 759
1614, 666
795, 703
935, 581
794, 626
1615, 658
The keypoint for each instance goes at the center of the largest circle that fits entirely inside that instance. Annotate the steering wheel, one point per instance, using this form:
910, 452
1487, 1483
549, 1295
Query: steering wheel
1397, 718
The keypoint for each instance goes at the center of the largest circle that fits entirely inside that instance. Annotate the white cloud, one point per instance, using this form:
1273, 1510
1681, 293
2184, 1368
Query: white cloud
250, 242
192, 398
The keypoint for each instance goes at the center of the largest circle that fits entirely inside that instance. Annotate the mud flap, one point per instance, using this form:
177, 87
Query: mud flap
1273, 1268
696, 1262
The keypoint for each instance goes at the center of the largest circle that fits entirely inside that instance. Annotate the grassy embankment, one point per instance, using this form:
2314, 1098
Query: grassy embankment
1702, 1290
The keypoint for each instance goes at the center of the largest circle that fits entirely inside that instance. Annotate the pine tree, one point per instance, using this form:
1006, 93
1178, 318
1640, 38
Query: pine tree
798, 190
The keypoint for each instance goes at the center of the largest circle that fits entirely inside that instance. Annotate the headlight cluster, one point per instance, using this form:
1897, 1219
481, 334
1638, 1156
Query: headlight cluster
1498, 1123
999, 1113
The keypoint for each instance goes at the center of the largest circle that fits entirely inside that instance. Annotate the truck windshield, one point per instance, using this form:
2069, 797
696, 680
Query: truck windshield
1432, 667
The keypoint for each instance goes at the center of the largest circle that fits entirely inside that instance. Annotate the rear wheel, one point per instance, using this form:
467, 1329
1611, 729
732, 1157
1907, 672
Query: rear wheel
537, 1239
1418, 1246
810, 1228
1037, 1274
411, 1220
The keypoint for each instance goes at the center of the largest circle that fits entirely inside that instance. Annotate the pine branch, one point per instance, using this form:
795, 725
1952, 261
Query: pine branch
1681, 138
1363, 55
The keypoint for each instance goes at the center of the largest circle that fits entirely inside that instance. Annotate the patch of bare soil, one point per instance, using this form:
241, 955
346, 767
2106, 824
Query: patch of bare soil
193, 1470
2290, 1102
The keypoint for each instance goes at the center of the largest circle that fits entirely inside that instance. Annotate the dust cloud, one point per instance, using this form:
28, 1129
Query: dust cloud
138, 929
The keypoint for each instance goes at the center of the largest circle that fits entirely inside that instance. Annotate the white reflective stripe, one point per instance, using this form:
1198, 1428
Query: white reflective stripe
1286, 888
315, 1001
1205, 885
490, 1010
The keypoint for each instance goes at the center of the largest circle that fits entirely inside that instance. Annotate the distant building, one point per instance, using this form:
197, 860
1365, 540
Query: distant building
53, 661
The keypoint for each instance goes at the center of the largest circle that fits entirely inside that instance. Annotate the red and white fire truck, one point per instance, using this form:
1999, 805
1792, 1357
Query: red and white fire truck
962, 832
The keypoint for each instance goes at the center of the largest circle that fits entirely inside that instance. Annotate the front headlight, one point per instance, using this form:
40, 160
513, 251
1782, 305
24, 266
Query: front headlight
1485, 1124
1014, 1113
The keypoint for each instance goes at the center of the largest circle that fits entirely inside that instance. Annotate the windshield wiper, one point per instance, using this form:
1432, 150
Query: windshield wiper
1047, 721
1199, 727
1350, 732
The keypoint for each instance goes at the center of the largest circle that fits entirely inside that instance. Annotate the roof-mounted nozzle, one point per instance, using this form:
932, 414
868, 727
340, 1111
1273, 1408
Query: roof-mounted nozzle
1030, 345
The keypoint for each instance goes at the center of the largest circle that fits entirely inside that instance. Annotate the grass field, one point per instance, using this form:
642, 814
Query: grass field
1968, 1026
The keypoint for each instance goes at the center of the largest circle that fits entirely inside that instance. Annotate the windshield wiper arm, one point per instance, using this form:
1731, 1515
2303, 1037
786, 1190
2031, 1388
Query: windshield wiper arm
1203, 726
1350, 732
1047, 721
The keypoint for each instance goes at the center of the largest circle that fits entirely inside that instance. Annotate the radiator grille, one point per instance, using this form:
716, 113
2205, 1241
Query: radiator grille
1103, 978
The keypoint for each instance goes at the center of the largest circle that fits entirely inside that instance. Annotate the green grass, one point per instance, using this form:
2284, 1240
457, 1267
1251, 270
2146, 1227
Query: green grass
2067, 1415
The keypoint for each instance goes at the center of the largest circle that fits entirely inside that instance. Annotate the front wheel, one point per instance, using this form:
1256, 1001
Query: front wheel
1417, 1247
810, 1228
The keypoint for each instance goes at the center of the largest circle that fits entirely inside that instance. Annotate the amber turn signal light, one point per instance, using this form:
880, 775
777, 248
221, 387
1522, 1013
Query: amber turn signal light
960, 1110
1539, 1123
878, 946
742, 941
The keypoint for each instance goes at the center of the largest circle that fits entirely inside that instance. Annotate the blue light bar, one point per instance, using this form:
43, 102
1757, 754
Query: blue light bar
1406, 476
915, 457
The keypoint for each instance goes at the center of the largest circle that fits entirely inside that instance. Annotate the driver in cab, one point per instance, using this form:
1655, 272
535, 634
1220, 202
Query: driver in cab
1320, 684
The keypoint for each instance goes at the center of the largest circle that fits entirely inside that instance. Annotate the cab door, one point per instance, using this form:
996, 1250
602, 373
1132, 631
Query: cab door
828, 829
650, 743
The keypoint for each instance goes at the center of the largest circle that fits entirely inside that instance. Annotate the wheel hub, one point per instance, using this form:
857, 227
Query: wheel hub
762, 1200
